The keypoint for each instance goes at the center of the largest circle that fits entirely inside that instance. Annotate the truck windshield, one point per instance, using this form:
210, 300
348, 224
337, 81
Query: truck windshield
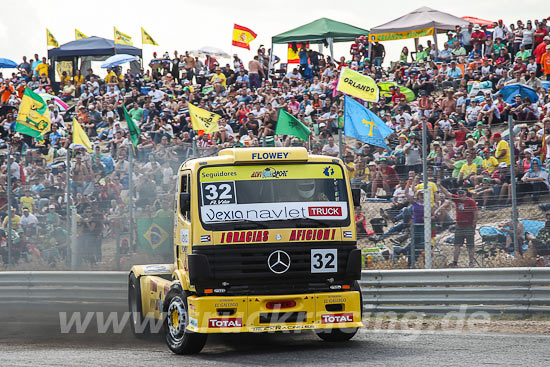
273, 196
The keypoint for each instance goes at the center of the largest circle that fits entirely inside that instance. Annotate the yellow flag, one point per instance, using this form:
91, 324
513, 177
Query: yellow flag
203, 119
147, 39
122, 39
357, 85
79, 35
80, 139
51, 39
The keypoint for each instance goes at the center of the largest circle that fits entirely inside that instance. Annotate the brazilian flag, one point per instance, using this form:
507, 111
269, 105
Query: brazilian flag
154, 235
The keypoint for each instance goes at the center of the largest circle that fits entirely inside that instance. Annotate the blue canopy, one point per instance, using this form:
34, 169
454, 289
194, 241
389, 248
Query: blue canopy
509, 92
92, 46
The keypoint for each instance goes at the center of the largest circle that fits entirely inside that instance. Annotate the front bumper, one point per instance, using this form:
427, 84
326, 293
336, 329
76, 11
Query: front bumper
256, 313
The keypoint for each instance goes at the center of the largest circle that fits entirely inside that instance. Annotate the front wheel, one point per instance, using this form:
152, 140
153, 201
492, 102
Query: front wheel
179, 339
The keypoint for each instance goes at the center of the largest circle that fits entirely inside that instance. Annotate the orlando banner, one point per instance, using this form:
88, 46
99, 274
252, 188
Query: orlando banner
357, 85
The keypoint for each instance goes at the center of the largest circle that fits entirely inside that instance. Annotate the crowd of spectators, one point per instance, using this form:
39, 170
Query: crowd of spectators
454, 90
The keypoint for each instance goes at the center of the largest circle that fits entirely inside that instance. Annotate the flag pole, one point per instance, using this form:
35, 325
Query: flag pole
70, 246
427, 202
131, 194
9, 204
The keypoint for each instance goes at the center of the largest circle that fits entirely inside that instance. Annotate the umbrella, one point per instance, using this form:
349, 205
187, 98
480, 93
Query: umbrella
56, 100
509, 92
7, 63
385, 90
211, 51
116, 60
481, 22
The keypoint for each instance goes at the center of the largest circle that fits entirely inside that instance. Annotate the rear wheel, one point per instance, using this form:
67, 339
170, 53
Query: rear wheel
135, 308
342, 334
179, 339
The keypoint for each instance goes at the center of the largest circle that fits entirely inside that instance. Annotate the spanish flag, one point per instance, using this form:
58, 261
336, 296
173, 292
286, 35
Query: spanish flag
146, 39
80, 139
79, 35
203, 120
122, 39
293, 51
51, 39
242, 36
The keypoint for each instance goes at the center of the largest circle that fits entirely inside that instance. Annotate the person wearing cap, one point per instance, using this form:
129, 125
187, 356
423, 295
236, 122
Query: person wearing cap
539, 51
502, 150
534, 182
477, 38
28, 222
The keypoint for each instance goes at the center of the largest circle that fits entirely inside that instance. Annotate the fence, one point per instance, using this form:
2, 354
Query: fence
510, 290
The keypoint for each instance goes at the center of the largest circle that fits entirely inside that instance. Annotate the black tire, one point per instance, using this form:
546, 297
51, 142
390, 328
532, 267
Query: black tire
178, 338
135, 308
342, 334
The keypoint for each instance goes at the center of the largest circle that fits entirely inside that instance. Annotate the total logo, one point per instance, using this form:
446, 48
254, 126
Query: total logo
270, 172
337, 318
220, 323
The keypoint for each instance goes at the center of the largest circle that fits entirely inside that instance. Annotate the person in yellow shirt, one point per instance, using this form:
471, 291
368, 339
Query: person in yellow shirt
15, 221
490, 163
468, 170
110, 75
78, 79
42, 68
502, 152
27, 201
219, 80
350, 165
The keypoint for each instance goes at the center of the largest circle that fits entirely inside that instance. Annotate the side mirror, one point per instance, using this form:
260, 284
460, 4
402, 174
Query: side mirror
185, 202
356, 195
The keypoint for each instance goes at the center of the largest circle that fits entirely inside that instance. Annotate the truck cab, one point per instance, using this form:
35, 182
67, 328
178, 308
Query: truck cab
264, 242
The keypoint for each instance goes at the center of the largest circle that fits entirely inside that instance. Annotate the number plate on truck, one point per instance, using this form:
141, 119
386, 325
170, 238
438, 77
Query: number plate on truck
324, 260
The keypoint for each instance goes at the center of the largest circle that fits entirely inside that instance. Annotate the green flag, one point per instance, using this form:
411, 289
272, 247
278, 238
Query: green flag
154, 235
133, 129
290, 125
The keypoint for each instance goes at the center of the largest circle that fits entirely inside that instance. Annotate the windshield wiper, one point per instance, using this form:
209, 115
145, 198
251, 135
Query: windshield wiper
249, 224
307, 222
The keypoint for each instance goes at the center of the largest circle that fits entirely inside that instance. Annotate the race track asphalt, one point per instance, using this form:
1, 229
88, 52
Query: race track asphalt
366, 349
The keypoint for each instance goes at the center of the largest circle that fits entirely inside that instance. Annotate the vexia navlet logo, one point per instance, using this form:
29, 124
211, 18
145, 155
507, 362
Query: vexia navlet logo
336, 318
270, 172
219, 323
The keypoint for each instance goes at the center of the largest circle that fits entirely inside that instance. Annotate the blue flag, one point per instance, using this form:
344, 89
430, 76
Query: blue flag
360, 123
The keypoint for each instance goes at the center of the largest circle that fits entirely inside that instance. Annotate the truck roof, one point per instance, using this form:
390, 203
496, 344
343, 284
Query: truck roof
259, 156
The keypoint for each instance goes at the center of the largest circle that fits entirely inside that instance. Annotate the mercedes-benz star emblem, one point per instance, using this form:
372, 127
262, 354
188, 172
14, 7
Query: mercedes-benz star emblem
278, 262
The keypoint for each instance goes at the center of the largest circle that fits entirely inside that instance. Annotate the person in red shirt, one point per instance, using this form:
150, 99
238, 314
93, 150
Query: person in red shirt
466, 221
397, 95
539, 34
478, 36
6, 90
539, 51
385, 176
460, 134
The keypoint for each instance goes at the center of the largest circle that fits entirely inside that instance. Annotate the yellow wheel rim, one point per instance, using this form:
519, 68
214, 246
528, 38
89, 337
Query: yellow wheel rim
175, 318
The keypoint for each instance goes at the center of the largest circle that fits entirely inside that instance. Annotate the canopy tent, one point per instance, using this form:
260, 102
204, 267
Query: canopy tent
92, 46
418, 23
321, 31
479, 21
67, 56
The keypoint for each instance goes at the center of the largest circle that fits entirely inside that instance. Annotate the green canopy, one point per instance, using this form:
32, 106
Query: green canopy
320, 30
385, 90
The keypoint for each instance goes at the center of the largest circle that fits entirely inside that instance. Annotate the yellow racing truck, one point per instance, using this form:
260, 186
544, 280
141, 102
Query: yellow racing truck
264, 242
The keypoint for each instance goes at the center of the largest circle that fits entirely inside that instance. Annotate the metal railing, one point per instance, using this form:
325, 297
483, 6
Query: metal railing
435, 291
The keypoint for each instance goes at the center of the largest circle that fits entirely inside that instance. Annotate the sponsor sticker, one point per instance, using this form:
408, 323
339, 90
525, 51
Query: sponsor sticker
222, 323
148, 269
269, 172
184, 236
336, 318
245, 237
193, 322
274, 211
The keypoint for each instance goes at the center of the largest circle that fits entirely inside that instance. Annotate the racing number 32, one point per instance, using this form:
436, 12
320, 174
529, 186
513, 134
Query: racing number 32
216, 193
324, 260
